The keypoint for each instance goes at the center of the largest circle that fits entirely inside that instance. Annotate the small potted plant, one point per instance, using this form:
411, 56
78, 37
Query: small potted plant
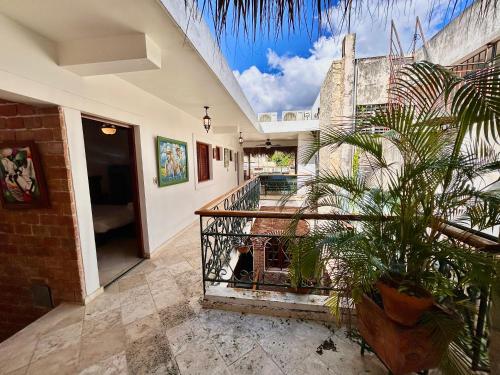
242, 247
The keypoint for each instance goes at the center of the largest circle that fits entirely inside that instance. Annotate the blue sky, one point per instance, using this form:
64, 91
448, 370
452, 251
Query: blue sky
286, 73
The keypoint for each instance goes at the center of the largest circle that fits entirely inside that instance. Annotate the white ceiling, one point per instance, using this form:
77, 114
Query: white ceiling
185, 80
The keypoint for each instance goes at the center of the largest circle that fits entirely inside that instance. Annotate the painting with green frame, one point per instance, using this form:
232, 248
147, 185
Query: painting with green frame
172, 160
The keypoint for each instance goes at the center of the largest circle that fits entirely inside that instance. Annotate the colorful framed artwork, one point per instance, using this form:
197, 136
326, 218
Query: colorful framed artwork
226, 158
172, 159
22, 183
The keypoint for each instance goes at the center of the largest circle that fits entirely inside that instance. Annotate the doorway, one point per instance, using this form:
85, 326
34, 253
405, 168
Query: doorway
112, 178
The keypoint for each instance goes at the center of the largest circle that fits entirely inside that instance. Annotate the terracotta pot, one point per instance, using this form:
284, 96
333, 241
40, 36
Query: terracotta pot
243, 249
402, 349
403, 308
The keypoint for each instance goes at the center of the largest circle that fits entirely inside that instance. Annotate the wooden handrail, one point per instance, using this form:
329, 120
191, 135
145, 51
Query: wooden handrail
207, 208
472, 239
469, 238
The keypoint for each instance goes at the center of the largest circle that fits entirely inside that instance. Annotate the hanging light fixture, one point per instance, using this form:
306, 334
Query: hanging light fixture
108, 129
207, 121
240, 140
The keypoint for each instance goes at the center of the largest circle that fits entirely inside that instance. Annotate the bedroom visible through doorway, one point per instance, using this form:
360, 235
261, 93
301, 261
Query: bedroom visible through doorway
109, 150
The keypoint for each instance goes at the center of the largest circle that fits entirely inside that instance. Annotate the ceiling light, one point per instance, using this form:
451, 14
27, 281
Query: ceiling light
108, 129
240, 139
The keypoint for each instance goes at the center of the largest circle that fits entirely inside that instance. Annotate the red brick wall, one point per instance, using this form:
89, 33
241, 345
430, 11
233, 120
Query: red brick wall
38, 246
276, 227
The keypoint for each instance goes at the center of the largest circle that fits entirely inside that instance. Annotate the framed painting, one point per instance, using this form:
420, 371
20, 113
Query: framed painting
22, 183
172, 159
226, 157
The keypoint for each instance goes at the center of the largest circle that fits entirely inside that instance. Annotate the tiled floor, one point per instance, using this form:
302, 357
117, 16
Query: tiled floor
151, 322
116, 256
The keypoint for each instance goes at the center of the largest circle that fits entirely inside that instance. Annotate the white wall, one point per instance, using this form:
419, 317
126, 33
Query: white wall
308, 168
463, 36
28, 68
74, 132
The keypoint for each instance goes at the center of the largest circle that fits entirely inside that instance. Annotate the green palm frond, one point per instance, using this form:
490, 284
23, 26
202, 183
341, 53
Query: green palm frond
279, 16
444, 139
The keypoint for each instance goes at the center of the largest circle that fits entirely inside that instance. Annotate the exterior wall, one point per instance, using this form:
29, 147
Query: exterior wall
289, 126
309, 168
337, 96
463, 36
29, 72
38, 246
372, 80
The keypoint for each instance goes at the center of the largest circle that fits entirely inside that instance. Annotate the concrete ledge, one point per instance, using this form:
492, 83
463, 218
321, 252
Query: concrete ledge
284, 305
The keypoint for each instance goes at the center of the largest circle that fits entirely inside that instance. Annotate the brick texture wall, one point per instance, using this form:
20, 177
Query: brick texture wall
38, 246
276, 227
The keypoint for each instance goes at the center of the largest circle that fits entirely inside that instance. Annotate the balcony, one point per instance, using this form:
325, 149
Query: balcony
152, 320
245, 262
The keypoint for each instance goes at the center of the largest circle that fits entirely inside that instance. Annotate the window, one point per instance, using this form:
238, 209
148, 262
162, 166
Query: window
276, 254
203, 156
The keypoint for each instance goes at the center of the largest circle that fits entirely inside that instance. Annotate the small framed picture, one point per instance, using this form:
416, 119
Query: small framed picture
226, 157
172, 159
22, 183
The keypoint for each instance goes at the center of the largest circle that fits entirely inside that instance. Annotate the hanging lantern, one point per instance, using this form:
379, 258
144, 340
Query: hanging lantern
240, 140
207, 121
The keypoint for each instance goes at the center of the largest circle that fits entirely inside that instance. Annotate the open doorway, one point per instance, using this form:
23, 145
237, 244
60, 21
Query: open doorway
111, 168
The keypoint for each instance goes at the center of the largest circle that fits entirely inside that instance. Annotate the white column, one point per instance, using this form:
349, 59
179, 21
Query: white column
78, 163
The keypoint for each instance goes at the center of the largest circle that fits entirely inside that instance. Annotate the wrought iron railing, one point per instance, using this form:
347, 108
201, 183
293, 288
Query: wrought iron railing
230, 243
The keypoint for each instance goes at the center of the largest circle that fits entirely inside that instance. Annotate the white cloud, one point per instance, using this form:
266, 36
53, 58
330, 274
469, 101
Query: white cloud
295, 80
372, 24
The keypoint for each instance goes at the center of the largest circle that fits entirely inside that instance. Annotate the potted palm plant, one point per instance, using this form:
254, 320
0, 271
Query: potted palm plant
435, 162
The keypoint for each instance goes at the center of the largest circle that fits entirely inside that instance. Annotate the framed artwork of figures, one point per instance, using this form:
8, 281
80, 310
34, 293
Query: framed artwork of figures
172, 159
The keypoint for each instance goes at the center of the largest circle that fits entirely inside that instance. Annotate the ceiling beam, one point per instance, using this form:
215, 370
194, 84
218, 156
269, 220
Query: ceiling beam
109, 55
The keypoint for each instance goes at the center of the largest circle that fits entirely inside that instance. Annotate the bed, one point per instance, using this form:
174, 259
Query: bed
110, 216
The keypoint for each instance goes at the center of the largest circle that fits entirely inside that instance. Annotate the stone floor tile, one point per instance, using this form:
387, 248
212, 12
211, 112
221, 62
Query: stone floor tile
149, 355
255, 362
181, 267
132, 280
168, 298
64, 315
105, 302
113, 365
347, 358
17, 351
64, 361
137, 310
174, 315
20, 371
159, 286
311, 364
200, 358
103, 321
56, 341
101, 345
232, 345
146, 326
184, 334
135, 295
144, 267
